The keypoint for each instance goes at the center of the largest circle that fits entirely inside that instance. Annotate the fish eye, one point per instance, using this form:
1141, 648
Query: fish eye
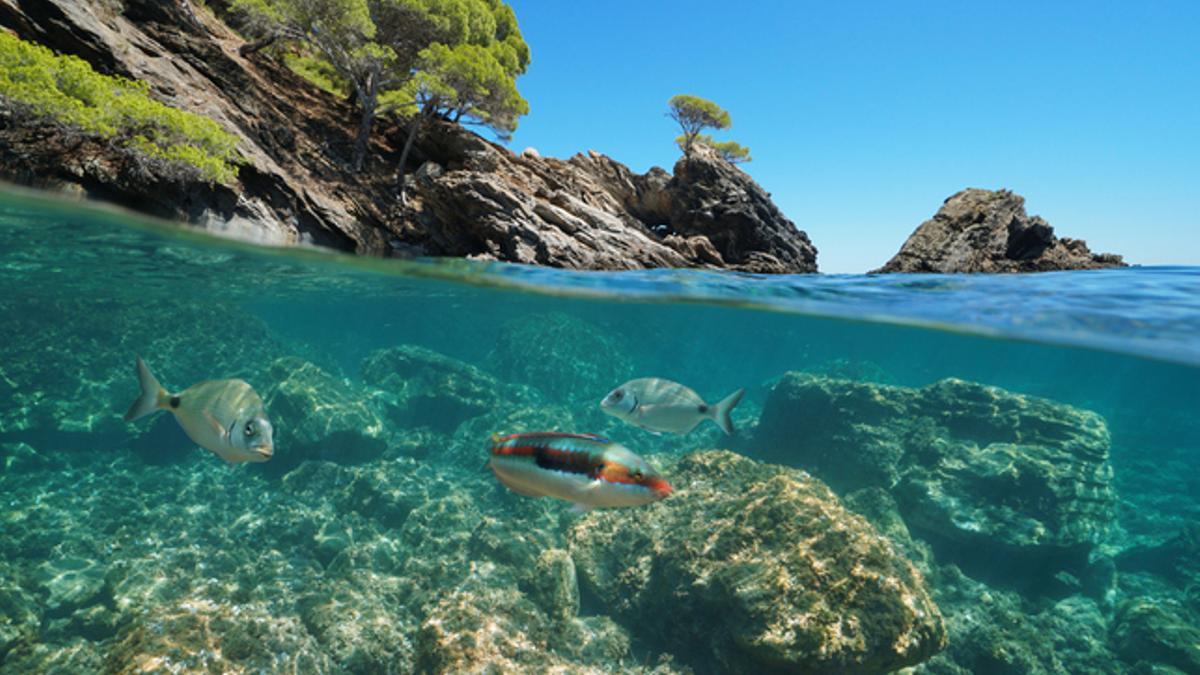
637, 474
617, 395
250, 429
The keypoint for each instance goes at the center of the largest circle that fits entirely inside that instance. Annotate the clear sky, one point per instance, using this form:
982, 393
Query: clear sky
863, 117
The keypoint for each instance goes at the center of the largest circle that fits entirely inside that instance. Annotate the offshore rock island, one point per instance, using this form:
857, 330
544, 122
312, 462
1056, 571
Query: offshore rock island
989, 231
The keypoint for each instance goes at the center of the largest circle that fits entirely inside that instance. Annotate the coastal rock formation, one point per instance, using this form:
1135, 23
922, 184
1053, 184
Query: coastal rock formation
989, 231
989, 474
474, 198
750, 567
466, 196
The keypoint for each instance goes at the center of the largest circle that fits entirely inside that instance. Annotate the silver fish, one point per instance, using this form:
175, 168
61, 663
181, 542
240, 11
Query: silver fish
660, 405
224, 416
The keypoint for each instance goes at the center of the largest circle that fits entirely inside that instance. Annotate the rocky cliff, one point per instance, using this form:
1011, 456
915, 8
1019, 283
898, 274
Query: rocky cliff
989, 231
468, 197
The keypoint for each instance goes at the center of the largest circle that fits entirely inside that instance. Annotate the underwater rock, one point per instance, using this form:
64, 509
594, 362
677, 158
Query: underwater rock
485, 630
750, 567
71, 583
358, 631
424, 388
17, 458
993, 476
996, 631
1151, 631
1177, 559
567, 358
988, 231
317, 416
201, 635
19, 616
555, 587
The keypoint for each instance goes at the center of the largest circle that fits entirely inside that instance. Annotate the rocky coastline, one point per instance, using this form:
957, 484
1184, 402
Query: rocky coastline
465, 196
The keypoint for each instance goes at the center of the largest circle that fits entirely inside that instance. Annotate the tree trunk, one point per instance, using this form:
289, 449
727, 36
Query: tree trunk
368, 99
258, 45
414, 127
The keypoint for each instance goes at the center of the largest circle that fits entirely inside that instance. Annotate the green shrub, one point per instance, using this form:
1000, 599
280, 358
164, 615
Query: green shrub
68, 90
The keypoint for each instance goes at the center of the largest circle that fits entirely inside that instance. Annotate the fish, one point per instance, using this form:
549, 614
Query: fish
224, 416
660, 405
587, 470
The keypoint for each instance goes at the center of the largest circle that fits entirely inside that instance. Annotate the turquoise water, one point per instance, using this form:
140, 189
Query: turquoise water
1017, 455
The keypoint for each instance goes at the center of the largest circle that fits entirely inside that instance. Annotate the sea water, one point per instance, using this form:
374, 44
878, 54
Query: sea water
377, 540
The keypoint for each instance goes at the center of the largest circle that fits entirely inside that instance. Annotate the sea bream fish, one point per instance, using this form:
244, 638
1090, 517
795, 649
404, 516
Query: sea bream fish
224, 416
587, 470
660, 405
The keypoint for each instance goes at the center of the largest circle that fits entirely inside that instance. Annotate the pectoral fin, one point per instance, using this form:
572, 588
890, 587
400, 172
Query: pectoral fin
217, 427
576, 507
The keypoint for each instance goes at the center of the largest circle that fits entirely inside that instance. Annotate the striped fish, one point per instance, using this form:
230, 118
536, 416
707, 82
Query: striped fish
587, 470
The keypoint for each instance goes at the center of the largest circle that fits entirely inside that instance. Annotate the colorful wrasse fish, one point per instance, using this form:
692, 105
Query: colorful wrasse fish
225, 416
586, 470
660, 405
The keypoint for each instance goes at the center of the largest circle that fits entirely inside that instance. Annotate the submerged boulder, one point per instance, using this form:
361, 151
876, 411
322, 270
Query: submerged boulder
317, 416
1151, 633
567, 358
996, 476
750, 567
989, 231
424, 388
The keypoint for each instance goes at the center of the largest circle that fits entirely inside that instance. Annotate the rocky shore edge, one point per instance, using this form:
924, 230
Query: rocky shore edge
466, 196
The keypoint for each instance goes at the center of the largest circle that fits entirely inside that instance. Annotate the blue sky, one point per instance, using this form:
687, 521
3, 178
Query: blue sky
864, 116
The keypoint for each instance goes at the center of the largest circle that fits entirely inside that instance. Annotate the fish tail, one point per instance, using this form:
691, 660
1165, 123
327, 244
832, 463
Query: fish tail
720, 411
153, 396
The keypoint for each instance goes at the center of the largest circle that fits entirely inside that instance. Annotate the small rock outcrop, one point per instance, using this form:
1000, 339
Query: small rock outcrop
989, 231
756, 568
476, 199
993, 475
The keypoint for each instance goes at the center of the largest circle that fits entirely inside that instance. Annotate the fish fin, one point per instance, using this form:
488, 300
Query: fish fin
217, 426
720, 411
576, 507
153, 396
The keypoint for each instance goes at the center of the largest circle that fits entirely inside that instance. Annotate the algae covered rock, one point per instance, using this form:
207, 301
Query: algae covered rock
201, 635
317, 416
357, 631
19, 617
565, 357
424, 388
987, 472
750, 567
554, 585
1150, 631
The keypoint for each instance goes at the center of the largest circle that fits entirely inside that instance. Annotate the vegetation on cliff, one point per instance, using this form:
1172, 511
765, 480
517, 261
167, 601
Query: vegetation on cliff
694, 115
67, 89
457, 59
